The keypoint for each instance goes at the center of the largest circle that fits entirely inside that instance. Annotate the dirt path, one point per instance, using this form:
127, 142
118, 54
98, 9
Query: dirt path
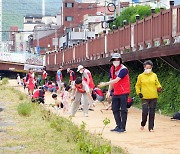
165, 139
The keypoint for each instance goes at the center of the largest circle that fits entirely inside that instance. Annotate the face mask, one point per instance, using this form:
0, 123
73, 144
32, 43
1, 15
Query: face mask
116, 63
147, 71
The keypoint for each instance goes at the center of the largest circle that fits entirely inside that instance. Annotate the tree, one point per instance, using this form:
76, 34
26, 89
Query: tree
129, 14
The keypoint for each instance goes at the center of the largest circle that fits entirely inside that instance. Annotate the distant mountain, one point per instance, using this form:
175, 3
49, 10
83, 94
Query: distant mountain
13, 11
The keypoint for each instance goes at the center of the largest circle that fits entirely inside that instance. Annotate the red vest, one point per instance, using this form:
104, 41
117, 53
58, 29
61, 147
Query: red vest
98, 91
72, 76
36, 94
80, 89
91, 82
123, 85
44, 75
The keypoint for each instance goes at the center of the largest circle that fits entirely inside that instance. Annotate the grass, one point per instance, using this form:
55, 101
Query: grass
5, 81
24, 109
43, 132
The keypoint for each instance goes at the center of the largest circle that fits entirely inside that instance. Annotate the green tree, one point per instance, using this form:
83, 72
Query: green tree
129, 14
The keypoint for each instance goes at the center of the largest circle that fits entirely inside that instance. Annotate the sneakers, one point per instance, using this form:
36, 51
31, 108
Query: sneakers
151, 130
121, 130
117, 129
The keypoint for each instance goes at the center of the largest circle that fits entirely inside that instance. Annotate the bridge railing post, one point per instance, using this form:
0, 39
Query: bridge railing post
171, 21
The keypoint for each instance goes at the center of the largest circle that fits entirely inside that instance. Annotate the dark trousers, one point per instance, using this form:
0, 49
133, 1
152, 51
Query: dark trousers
148, 107
39, 100
119, 108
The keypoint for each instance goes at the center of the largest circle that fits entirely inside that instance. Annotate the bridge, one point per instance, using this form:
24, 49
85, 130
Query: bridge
20, 61
155, 36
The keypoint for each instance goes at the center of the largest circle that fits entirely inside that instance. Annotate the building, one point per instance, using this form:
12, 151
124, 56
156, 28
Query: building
38, 26
73, 12
72, 28
20, 44
12, 34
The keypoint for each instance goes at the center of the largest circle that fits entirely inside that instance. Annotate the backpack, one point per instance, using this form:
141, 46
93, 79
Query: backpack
176, 116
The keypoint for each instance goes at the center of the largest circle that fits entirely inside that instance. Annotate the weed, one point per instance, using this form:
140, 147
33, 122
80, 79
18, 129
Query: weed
106, 121
21, 97
5, 81
24, 109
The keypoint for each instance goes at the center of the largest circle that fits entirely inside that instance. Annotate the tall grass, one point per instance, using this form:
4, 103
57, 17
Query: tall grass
24, 109
5, 81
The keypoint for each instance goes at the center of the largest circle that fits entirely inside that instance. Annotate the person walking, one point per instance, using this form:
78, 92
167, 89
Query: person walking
59, 77
18, 79
72, 76
147, 88
119, 81
30, 80
44, 76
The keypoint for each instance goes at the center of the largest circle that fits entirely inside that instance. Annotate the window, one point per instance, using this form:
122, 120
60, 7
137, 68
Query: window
69, 18
79, 5
29, 21
69, 5
90, 6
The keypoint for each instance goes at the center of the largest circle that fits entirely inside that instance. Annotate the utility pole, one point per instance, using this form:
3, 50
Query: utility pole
0, 24
105, 24
56, 40
114, 1
119, 7
43, 8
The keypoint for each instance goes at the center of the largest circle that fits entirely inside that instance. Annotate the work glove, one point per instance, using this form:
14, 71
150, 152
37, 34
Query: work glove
140, 95
159, 89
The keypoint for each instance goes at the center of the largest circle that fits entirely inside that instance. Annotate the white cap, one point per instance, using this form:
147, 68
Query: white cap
115, 55
68, 69
80, 67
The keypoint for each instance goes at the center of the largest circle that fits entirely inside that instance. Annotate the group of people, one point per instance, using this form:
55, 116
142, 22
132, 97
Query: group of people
81, 92
147, 88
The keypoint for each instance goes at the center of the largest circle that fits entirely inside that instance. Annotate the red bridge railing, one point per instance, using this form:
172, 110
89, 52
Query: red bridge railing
154, 30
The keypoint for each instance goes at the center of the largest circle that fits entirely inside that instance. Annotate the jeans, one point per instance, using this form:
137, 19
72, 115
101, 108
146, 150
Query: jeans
148, 107
119, 108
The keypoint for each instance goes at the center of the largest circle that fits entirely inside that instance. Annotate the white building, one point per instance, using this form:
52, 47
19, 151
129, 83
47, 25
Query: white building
101, 2
20, 44
94, 23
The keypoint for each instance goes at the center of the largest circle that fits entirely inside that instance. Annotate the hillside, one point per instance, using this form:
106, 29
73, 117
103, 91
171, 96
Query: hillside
14, 11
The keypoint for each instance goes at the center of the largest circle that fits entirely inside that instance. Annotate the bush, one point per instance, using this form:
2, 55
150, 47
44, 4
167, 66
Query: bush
5, 81
168, 101
129, 14
24, 109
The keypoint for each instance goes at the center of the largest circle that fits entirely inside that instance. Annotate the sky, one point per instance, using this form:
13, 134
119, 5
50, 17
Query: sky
177, 2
